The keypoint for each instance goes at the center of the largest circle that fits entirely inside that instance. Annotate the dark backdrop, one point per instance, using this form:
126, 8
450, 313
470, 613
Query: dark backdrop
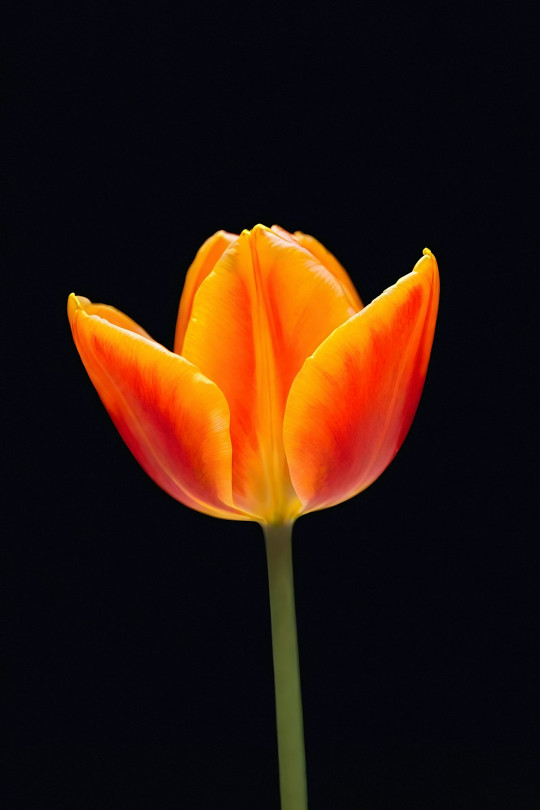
137, 639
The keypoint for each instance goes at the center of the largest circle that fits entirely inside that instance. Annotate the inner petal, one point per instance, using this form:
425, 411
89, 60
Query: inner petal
202, 265
327, 259
265, 307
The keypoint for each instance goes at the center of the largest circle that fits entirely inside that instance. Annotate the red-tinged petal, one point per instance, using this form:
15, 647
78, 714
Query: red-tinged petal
202, 265
266, 307
327, 260
352, 403
173, 419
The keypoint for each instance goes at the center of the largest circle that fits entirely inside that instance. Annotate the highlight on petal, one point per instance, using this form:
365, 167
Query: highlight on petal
173, 419
265, 307
327, 260
203, 264
352, 403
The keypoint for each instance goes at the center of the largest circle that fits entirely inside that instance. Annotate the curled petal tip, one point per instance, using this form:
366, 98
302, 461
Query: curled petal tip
72, 305
75, 303
428, 263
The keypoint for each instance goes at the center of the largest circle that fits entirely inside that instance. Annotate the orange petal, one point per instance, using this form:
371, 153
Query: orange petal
352, 403
204, 262
327, 260
174, 420
266, 306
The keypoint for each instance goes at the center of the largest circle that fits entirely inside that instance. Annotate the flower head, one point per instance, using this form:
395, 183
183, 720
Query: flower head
283, 393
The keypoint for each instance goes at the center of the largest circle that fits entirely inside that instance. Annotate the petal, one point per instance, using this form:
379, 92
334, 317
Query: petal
352, 403
203, 264
327, 260
265, 307
174, 420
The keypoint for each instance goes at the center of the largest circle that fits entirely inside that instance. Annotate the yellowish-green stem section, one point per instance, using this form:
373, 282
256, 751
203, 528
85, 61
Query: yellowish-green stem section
290, 727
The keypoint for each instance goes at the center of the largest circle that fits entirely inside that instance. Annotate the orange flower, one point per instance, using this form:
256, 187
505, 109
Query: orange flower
283, 394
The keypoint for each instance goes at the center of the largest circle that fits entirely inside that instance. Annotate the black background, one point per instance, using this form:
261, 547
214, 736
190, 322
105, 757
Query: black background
137, 639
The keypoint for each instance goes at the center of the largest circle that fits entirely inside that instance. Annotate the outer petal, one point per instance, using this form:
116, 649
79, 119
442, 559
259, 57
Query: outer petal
352, 403
327, 260
203, 264
266, 307
174, 420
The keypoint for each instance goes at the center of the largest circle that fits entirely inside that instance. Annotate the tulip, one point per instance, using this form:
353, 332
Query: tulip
283, 395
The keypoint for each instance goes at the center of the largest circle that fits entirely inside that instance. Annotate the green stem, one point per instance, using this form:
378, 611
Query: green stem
290, 729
